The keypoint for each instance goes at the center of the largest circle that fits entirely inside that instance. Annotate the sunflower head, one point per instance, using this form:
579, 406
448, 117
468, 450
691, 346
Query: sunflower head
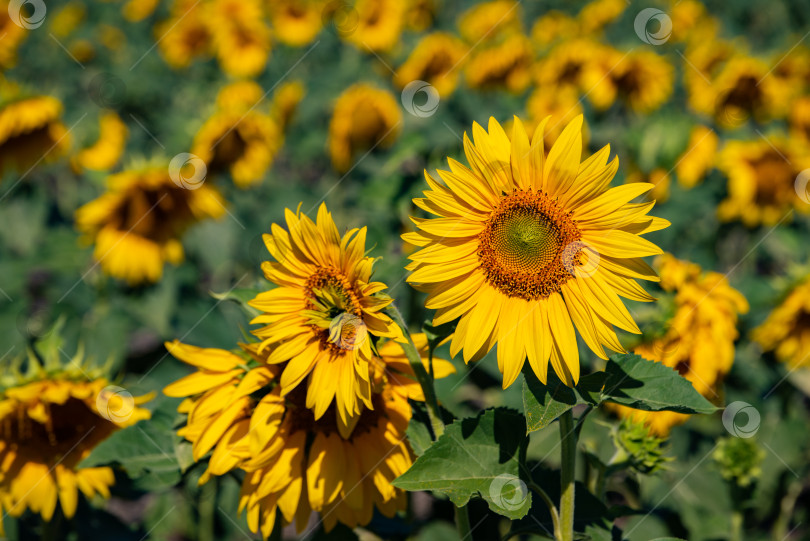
503, 64
108, 148
786, 330
378, 26
490, 20
185, 35
241, 37
296, 23
435, 60
698, 158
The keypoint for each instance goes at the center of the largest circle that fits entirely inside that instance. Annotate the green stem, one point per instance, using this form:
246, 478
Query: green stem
463, 523
552, 509
422, 376
736, 526
207, 509
568, 444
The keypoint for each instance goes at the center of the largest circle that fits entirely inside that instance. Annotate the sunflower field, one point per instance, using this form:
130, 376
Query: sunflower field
404, 270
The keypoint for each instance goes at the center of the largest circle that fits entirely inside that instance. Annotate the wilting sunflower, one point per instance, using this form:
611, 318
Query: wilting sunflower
239, 137
786, 331
506, 64
108, 148
490, 21
537, 244
378, 26
240, 36
294, 22
295, 462
762, 179
642, 79
698, 158
31, 130
51, 418
137, 222
185, 35
435, 60
320, 315
364, 117
699, 340
13, 34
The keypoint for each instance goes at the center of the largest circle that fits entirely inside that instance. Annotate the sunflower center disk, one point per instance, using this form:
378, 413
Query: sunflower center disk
334, 311
523, 246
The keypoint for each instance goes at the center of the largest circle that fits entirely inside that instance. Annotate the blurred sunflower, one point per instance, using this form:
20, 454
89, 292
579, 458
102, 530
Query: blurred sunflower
699, 340
238, 137
743, 89
643, 79
13, 34
703, 59
560, 107
185, 35
597, 14
435, 60
538, 244
379, 25
294, 22
552, 27
419, 14
698, 158
52, 418
108, 148
31, 129
490, 21
285, 102
691, 22
136, 223
297, 463
786, 331
364, 117
320, 315
506, 65
761, 179
799, 120
240, 36
67, 19
138, 10
566, 65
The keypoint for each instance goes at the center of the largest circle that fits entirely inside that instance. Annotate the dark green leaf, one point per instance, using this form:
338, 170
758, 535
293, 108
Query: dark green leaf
545, 403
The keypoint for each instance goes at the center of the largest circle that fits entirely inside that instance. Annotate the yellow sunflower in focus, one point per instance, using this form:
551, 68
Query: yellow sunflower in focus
699, 340
239, 35
185, 35
505, 65
364, 117
642, 78
490, 20
435, 60
379, 24
762, 180
50, 420
295, 462
108, 148
136, 223
31, 130
294, 22
320, 315
239, 137
538, 244
786, 331
698, 158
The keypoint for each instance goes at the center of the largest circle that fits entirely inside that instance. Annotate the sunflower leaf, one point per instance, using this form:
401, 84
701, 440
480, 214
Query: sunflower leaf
478, 456
543, 403
647, 385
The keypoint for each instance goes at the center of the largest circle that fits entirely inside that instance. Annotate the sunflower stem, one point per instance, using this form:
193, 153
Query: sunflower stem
422, 376
568, 445
463, 523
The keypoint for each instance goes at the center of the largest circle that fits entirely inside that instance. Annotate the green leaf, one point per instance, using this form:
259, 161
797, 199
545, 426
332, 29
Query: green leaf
545, 403
476, 456
646, 385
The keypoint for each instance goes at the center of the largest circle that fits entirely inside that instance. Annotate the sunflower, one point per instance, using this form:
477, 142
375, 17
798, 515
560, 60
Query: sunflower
762, 179
320, 315
138, 10
108, 148
294, 461
786, 330
435, 60
560, 107
538, 244
185, 35
595, 15
502, 65
31, 130
743, 90
294, 22
419, 14
800, 119
50, 420
285, 102
13, 34
552, 27
136, 223
239, 35
238, 137
566, 65
699, 340
691, 21
698, 158
379, 25
490, 21
643, 79
67, 19
364, 118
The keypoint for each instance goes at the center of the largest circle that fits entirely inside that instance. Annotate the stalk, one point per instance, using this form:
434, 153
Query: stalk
568, 444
